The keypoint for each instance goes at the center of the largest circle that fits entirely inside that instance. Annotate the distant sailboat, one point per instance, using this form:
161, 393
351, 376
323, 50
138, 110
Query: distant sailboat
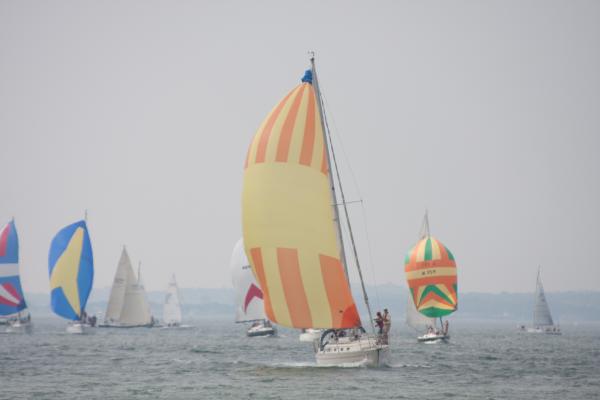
172, 305
431, 276
13, 309
542, 319
248, 296
292, 230
71, 271
127, 305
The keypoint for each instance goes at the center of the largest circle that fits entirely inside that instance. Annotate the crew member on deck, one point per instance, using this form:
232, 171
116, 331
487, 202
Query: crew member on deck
387, 325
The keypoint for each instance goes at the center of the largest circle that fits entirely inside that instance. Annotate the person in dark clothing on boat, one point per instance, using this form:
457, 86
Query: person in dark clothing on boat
379, 322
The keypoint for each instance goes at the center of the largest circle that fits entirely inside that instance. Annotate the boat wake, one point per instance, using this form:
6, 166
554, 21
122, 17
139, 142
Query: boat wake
359, 364
424, 366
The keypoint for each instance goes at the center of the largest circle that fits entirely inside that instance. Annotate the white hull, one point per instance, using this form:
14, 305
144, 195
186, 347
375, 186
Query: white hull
550, 330
261, 330
433, 337
174, 326
365, 351
128, 326
77, 328
310, 335
19, 327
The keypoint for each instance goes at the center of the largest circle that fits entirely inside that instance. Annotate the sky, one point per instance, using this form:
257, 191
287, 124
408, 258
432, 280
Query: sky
486, 113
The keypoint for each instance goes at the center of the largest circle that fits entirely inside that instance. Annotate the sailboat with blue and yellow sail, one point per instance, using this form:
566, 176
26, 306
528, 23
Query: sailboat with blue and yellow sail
292, 232
432, 281
13, 309
71, 270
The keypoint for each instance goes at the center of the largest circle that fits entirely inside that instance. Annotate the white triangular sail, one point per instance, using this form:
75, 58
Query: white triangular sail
172, 306
117, 292
248, 295
136, 310
541, 311
415, 319
127, 304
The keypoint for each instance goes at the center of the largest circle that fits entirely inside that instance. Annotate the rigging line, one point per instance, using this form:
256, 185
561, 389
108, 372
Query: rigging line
337, 171
370, 252
349, 202
355, 181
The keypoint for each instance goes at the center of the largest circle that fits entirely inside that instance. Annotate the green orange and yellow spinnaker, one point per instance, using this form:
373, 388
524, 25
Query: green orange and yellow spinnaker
287, 218
431, 276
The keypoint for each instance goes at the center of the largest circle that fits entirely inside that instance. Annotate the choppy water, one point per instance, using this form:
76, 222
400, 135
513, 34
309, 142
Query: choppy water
214, 360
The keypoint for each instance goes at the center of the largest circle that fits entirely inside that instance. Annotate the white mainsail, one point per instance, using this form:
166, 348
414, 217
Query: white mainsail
541, 311
415, 319
172, 306
127, 305
248, 295
117, 292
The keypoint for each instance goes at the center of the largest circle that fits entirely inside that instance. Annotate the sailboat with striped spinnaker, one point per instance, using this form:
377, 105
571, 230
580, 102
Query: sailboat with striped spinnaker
292, 231
431, 276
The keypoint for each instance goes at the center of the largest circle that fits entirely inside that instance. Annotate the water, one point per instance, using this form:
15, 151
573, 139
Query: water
214, 360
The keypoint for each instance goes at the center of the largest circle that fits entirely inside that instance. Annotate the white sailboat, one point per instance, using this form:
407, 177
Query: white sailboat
248, 295
292, 230
172, 305
127, 305
542, 319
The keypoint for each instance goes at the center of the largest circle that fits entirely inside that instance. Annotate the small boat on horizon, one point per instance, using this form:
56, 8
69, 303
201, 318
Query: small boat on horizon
71, 273
430, 270
13, 308
172, 306
542, 319
127, 305
248, 295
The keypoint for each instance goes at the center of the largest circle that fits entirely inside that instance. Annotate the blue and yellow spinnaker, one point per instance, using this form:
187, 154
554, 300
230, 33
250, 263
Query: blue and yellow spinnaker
71, 269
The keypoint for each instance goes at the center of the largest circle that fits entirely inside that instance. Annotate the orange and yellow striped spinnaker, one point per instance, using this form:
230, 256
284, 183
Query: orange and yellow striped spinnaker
287, 219
431, 276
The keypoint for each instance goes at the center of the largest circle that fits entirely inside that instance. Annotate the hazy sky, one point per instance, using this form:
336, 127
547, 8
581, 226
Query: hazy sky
485, 112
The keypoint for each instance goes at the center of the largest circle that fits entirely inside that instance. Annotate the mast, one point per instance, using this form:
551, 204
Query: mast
336, 212
425, 226
536, 295
328, 149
